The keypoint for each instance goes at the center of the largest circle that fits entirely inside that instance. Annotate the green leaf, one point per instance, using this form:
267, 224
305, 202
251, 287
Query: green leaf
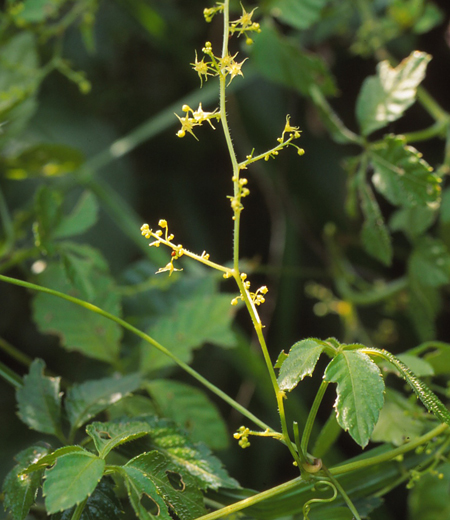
360, 389
430, 262
50, 458
110, 435
143, 495
193, 322
419, 366
439, 358
44, 160
191, 409
79, 328
413, 222
423, 306
398, 422
385, 97
39, 400
283, 62
301, 361
103, 504
338, 131
402, 176
299, 14
180, 491
428, 499
445, 207
83, 217
48, 215
131, 406
431, 402
375, 236
430, 18
72, 479
88, 399
36, 11
20, 76
20, 490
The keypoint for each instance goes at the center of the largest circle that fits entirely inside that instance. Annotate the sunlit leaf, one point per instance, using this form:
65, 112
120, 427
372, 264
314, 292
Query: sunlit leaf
181, 493
402, 176
375, 235
360, 389
20, 490
50, 458
78, 328
385, 97
301, 361
88, 399
72, 479
39, 400
191, 409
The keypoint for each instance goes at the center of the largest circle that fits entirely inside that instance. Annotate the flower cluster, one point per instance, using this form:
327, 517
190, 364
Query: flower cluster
242, 436
244, 25
177, 250
256, 297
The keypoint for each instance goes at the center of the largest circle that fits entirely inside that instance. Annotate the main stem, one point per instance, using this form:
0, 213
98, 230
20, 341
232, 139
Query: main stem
236, 237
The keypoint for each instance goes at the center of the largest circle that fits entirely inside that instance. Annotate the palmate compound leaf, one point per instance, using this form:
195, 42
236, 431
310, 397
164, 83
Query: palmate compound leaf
360, 389
20, 489
39, 400
164, 436
300, 362
402, 176
87, 399
375, 235
385, 97
191, 409
193, 322
154, 475
72, 479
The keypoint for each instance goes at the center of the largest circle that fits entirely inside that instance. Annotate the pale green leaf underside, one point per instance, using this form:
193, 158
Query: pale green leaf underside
72, 479
301, 361
360, 390
385, 97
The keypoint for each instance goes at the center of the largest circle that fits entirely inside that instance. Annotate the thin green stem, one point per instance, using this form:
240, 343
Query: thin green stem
9, 376
79, 510
146, 338
343, 494
312, 417
15, 353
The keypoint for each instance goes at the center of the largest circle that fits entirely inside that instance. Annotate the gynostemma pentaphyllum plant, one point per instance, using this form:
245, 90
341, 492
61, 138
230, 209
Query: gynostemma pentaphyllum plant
134, 455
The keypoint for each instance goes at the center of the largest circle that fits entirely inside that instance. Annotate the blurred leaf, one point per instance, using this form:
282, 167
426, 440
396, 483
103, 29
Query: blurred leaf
36, 11
193, 322
88, 399
375, 236
281, 61
430, 18
191, 409
413, 222
419, 366
20, 490
83, 217
103, 504
131, 406
360, 389
20, 76
300, 14
430, 262
44, 160
109, 435
429, 498
439, 359
78, 328
301, 361
71, 480
39, 400
398, 422
402, 176
338, 131
186, 501
445, 207
423, 307
48, 215
384, 97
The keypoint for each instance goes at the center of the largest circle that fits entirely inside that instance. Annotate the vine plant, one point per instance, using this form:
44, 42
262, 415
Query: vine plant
162, 471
